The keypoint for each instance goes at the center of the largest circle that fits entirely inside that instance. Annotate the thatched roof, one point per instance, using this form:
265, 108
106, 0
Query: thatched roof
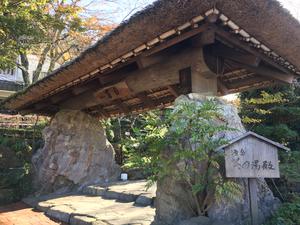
266, 21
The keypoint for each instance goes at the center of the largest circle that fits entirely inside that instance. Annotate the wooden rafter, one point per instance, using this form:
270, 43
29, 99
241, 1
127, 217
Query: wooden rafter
146, 99
270, 73
237, 56
232, 39
176, 40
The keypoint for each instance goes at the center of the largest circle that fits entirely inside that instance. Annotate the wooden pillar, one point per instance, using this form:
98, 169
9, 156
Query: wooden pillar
204, 81
253, 201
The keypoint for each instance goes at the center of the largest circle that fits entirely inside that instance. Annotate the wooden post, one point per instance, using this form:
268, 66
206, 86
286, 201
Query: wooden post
204, 81
253, 200
252, 156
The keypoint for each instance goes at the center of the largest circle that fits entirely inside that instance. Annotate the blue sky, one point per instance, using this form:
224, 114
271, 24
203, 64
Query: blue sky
118, 10
293, 6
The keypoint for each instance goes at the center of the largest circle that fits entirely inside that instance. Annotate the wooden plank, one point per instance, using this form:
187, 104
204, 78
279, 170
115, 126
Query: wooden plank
146, 61
161, 102
240, 83
122, 106
222, 87
252, 185
114, 91
251, 158
177, 39
270, 73
173, 90
60, 97
146, 99
232, 39
232, 54
264, 84
95, 84
205, 38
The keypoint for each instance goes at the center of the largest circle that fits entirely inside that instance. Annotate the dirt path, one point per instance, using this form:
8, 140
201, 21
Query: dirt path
22, 214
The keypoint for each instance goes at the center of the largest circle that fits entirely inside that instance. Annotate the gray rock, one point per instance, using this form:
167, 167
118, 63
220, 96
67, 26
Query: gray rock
94, 210
144, 200
61, 213
76, 154
94, 190
122, 197
44, 206
85, 220
174, 201
200, 220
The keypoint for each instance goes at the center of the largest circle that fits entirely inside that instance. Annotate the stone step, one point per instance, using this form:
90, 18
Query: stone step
94, 210
120, 203
129, 191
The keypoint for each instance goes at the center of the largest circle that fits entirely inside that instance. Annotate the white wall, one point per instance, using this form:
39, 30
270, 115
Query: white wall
15, 75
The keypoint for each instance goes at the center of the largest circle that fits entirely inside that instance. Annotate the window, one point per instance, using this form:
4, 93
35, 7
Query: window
10, 72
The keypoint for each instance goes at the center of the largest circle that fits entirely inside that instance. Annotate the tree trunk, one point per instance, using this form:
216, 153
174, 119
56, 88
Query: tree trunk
51, 65
37, 72
24, 68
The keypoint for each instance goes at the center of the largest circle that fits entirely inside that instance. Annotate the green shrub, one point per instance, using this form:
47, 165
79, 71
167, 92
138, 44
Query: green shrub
273, 112
18, 180
15, 170
288, 213
176, 143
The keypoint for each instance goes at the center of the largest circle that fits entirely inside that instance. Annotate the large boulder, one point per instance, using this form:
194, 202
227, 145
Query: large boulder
76, 153
174, 202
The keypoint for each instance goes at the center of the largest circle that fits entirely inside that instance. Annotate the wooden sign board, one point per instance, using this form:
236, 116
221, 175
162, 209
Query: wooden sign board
252, 156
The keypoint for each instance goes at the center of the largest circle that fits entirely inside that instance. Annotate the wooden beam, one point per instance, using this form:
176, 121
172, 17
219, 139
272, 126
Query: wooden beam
60, 97
173, 90
205, 38
158, 75
122, 106
177, 39
145, 99
245, 82
222, 87
105, 79
146, 61
98, 109
254, 86
270, 73
232, 39
143, 107
237, 56
81, 88
94, 84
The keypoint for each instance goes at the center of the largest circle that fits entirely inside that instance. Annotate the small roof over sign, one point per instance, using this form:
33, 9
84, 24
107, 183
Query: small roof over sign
250, 133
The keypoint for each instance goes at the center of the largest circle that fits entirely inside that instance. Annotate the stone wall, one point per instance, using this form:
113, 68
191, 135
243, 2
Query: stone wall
174, 199
76, 153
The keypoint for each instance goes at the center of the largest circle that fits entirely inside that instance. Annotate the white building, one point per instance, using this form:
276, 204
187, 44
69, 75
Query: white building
11, 80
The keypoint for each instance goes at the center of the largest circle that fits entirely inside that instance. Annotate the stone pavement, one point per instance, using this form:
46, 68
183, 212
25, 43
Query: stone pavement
22, 214
122, 203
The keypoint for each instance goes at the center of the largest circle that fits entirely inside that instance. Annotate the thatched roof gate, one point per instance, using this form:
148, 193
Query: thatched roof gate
150, 59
